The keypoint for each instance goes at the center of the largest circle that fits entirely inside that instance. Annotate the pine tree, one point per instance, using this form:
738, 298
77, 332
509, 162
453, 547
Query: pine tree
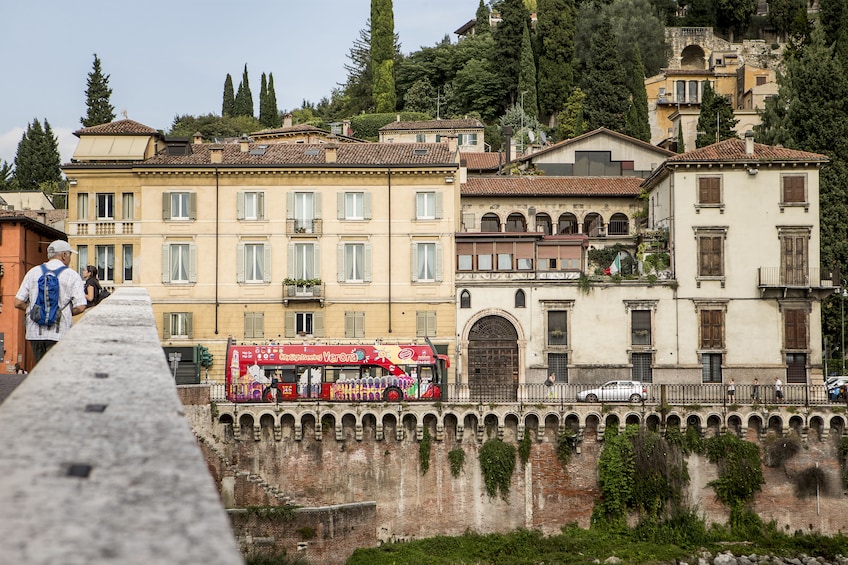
244, 98
274, 113
527, 77
37, 161
555, 27
97, 97
482, 24
570, 122
382, 55
637, 116
228, 107
605, 83
508, 39
263, 102
716, 116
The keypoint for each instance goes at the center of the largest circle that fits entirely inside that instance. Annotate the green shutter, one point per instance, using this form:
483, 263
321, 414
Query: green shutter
290, 260
290, 205
240, 262
166, 325
318, 324
316, 268
266, 274
192, 269
289, 329
166, 205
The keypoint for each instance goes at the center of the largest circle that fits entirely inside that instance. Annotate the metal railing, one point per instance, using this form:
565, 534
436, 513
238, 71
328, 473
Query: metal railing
711, 394
780, 277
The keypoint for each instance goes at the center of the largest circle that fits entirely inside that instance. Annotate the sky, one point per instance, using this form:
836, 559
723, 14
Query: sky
167, 58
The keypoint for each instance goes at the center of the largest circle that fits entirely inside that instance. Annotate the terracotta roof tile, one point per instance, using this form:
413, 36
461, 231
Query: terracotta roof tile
483, 161
120, 127
432, 124
552, 186
733, 150
288, 154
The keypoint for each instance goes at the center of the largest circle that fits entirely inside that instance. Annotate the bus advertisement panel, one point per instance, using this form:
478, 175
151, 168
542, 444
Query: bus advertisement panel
346, 373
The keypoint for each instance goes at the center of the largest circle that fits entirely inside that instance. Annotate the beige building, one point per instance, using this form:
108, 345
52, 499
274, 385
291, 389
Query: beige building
271, 241
469, 133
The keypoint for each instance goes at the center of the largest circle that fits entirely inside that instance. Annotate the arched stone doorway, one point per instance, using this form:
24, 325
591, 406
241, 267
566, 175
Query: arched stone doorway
493, 359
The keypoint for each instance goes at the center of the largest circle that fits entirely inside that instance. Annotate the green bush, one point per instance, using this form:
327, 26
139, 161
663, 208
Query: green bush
497, 462
456, 457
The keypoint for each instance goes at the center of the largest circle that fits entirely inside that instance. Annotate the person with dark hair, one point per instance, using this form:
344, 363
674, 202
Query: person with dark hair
92, 285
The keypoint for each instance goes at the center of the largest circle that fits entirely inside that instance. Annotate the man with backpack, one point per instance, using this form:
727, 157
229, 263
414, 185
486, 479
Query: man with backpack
51, 294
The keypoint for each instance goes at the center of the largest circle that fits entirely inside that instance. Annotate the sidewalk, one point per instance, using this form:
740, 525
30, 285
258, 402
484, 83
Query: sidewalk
8, 383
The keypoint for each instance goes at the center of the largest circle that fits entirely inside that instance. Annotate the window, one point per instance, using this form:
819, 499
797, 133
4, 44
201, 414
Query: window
465, 262
250, 206
641, 367
520, 299
420, 138
425, 324
711, 368
567, 224
761, 80
709, 190
484, 262
127, 262
465, 299
354, 324
619, 225
82, 206
711, 252
794, 189
254, 325
795, 328
304, 323
179, 205
558, 364
177, 324
640, 323
468, 139
426, 207
105, 262
504, 261
178, 263
303, 259
354, 206
796, 368
712, 329
426, 262
254, 263
105, 206
127, 206
490, 223
354, 262
82, 258
557, 327
794, 256
515, 223
304, 211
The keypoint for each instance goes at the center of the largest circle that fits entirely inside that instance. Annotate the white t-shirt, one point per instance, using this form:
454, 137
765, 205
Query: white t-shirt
71, 293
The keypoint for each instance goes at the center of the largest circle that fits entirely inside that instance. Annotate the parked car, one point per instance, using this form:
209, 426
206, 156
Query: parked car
837, 387
615, 391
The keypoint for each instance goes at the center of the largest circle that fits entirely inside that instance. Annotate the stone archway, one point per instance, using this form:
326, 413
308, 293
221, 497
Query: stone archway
493, 359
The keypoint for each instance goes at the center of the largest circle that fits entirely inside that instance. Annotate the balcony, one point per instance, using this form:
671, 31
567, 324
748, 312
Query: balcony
104, 227
303, 290
779, 282
304, 227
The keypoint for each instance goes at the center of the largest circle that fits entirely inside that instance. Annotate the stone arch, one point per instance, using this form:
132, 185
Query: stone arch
567, 224
551, 428
593, 224
490, 223
490, 426
267, 422
409, 423
543, 221
817, 426
775, 424
652, 422
734, 424
673, 421
796, 423
431, 422
450, 422
309, 425
572, 422
619, 224
516, 223
632, 420
348, 422
390, 426
470, 425
227, 421
531, 425
592, 426
693, 57
493, 357
837, 426
756, 427
713, 425
246, 427
369, 426
611, 422
510, 425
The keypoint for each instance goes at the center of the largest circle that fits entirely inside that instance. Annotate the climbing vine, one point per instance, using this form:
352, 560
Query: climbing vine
424, 452
497, 462
456, 457
524, 448
564, 442
740, 474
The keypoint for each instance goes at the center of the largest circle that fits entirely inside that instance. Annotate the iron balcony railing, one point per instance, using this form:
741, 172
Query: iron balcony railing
780, 277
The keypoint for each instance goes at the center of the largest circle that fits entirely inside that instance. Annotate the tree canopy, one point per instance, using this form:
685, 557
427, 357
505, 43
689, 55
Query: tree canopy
37, 160
97, 97
382, 55
715, 121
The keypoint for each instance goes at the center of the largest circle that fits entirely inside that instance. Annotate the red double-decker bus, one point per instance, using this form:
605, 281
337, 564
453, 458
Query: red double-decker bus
345, 373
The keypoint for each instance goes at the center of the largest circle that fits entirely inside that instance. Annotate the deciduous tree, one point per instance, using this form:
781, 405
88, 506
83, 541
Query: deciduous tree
97, 97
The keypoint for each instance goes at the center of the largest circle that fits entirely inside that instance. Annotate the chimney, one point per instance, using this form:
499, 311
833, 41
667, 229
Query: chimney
216, 153
507, 131
397, 119
749, 143
244, 143
452, 142
197, 137
287, 121
330, 150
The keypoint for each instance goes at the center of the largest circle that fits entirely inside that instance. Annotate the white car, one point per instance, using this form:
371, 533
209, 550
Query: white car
615, 391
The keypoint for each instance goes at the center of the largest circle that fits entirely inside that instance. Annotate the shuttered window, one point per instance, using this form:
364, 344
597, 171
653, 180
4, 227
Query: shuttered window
709, 190
712, 329
794, 188
795, 329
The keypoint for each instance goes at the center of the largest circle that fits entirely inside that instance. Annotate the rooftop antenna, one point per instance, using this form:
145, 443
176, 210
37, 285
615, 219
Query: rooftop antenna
124, 113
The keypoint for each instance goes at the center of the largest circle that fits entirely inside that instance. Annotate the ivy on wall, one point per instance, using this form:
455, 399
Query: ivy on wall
497, 462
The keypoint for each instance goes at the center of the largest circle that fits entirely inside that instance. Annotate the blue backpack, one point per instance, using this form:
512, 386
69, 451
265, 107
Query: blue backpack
47, 311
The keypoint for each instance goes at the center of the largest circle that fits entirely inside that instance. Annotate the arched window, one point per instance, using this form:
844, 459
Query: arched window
619, 225
567, 224
543, 223
593, 225
516, 223
520, 299
465, 299
490, 223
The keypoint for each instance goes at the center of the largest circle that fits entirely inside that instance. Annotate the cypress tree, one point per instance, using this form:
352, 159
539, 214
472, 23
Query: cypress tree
681, 143
263, 102
228, 107
637, 115
37, 160
274, 113
97, 97
527, 77
482, 24
605, 83
555, 26
244, 98
382, 55
716, 116
508, 40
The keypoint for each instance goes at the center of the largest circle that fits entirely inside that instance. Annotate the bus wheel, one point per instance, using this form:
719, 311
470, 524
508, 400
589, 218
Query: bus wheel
272, 394
393, 394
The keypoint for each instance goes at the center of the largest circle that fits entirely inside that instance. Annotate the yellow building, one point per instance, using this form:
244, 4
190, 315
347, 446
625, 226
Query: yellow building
271, 241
